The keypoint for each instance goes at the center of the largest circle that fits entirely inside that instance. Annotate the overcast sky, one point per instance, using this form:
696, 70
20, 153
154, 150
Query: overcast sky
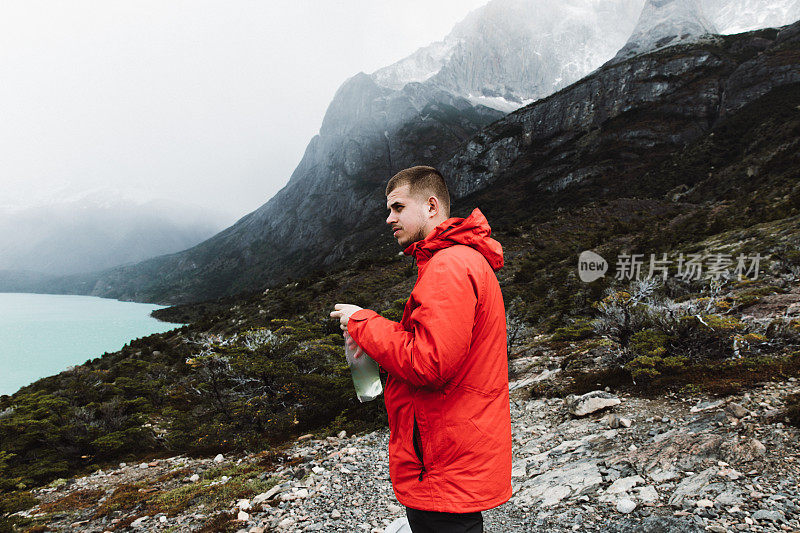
207, 102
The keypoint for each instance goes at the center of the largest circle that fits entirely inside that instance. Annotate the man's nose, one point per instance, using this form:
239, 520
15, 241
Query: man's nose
390, 218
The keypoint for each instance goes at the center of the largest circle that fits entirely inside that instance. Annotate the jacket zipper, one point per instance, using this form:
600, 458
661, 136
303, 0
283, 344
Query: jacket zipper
418, 446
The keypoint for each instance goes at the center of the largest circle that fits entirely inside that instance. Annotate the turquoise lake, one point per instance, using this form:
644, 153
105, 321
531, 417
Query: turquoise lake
43, 334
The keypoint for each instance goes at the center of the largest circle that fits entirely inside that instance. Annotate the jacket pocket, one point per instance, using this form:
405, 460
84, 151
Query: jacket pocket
417, 441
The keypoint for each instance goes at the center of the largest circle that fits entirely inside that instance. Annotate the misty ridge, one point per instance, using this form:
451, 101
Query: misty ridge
90, 233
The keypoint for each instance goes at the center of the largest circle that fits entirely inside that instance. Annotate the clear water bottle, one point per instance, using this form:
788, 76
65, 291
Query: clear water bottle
364, 370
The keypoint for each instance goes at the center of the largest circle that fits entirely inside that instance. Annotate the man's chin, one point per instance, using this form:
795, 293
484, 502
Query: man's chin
405, 243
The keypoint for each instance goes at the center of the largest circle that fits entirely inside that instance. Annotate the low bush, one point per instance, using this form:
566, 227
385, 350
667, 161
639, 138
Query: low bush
581, 328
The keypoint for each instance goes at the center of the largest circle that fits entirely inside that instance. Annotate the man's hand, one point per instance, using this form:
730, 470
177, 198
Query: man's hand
351, 345
343, 312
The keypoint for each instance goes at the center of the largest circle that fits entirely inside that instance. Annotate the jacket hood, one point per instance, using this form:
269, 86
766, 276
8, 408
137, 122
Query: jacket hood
473, 231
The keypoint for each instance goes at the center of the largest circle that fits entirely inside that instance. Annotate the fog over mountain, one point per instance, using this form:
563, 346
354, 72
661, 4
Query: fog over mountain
433, 107
99, 229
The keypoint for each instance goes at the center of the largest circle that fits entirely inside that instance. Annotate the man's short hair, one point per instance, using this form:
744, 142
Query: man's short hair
423, 182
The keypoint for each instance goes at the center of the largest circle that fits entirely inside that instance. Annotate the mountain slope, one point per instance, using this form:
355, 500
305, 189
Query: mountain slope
511, 52
604, 130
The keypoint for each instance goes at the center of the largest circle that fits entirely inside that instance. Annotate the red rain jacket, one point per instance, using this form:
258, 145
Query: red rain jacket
447, 387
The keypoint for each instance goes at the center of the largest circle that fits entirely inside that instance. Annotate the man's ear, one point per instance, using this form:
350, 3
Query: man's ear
434, 207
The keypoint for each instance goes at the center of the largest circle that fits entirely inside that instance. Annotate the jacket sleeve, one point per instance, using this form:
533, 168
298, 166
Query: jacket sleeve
440, 326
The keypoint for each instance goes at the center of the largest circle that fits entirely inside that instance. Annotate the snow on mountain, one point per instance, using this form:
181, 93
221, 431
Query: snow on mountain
419, 66
665, 23
736, 16
511, 52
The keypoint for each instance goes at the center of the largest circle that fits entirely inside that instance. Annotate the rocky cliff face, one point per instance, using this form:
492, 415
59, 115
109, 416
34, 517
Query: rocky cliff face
602, 130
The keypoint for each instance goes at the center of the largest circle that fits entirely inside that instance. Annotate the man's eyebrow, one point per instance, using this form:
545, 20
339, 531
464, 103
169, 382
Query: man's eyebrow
395, 204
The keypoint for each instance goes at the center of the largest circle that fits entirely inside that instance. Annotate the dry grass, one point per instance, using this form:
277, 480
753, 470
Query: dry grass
79, 499
124, 498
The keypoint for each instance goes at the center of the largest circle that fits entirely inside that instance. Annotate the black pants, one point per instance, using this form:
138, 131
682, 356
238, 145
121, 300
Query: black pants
433, 522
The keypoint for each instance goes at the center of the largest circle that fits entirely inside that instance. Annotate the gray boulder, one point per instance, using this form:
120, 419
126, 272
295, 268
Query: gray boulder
590, 402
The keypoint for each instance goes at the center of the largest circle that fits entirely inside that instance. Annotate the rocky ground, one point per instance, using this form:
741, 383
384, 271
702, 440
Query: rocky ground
665, 464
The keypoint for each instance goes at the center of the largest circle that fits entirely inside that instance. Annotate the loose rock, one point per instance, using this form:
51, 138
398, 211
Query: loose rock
590, 402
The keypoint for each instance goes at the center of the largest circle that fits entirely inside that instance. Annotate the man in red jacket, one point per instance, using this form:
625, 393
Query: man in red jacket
447, 386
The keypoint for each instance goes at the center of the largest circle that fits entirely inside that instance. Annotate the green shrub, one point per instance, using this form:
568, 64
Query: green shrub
649, 348
581, 328
12, 502
649, 342
644, 367
624, 312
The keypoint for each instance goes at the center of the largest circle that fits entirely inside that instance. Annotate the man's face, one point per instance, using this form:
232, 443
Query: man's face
407, 215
